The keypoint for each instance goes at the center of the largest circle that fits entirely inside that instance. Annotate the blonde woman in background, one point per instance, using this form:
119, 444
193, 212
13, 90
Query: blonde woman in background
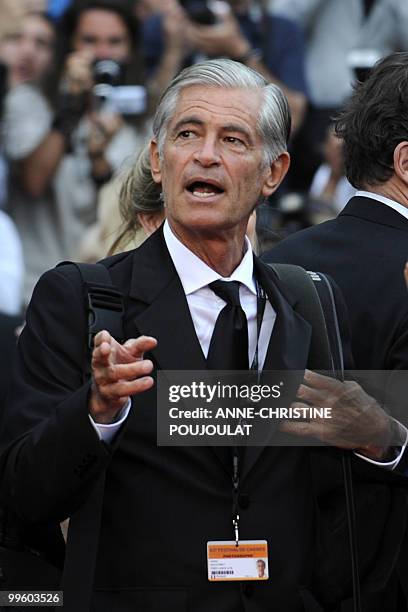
125, 225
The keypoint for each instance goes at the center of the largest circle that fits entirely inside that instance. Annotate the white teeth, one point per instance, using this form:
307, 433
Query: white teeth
203, 194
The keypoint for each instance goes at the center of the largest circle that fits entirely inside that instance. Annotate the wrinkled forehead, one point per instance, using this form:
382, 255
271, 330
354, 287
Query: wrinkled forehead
35, 23
218, 105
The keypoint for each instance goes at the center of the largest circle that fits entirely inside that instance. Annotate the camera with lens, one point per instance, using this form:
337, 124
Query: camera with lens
205, 12
110, 95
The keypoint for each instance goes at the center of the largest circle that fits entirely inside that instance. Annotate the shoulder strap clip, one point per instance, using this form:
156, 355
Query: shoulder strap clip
105, 311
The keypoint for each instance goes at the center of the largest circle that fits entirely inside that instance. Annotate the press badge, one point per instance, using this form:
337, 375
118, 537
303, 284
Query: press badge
247, 561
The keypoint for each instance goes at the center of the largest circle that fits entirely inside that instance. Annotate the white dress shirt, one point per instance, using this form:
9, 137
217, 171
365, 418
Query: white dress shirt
205, 305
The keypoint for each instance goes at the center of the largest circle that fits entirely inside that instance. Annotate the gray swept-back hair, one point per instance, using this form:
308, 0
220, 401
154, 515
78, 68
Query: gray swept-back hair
274, 117
140, 193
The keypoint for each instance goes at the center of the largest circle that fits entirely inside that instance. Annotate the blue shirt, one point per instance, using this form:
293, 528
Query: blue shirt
56, 8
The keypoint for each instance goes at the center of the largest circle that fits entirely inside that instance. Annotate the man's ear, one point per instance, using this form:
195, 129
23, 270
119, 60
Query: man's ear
276, 174
155, 162
401, 161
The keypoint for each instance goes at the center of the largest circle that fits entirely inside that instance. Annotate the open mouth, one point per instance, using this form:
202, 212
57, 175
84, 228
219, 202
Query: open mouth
203, 189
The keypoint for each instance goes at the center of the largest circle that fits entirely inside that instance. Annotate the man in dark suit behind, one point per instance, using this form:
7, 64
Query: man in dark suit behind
365, 248
219, 146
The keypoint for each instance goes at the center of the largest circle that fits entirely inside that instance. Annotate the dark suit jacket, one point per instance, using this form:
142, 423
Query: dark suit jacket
161, 504
364, 250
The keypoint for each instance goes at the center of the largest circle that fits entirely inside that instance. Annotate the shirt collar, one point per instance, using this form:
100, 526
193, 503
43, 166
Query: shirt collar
400, 208
195, 274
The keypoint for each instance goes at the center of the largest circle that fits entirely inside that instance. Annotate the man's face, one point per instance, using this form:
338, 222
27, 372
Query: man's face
211, 170
103, 35
260, 566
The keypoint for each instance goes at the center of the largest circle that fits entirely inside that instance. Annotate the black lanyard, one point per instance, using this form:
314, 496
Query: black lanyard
260, 310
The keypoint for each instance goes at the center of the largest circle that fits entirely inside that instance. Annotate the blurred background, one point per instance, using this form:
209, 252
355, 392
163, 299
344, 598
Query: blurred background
79, 81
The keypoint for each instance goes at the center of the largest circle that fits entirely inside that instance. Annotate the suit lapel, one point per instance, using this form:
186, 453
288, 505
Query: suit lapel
178, 347
160, 307
288, 347
289, 344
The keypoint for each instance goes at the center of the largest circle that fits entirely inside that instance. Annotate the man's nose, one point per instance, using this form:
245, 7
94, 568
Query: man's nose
207, 153
103, 51
27, 49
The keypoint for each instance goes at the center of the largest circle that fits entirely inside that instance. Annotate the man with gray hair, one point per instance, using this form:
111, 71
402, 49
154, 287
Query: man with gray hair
219, 148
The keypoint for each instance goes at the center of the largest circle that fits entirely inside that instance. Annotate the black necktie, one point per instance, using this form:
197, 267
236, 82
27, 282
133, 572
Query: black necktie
229, 342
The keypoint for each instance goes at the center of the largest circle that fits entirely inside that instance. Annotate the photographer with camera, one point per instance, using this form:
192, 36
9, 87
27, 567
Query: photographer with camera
93, 132
189, 30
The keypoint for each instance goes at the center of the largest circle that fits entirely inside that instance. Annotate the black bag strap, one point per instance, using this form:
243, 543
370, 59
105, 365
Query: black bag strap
325, 291
104, 302
308, 304
104, 305
316, 304
82, 551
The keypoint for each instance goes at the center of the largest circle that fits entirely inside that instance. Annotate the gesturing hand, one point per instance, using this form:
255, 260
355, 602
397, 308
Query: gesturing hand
118, 371
174, 24
78, 72
357, 421
222, 39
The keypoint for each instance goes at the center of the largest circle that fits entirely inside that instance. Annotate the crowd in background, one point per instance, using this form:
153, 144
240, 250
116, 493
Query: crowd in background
79, 80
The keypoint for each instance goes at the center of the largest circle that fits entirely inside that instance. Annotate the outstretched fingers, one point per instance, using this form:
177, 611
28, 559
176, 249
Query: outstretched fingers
118, 371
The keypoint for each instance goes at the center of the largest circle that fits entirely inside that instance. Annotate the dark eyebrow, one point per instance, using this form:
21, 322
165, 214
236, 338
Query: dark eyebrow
186, 121
114, 40
232, 127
